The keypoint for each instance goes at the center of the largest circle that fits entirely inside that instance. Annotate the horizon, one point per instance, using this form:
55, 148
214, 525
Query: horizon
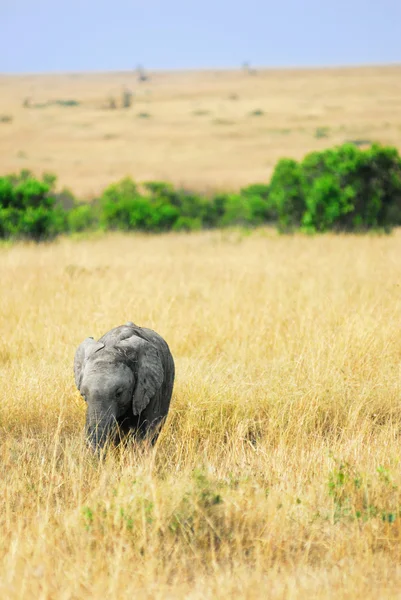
263, 68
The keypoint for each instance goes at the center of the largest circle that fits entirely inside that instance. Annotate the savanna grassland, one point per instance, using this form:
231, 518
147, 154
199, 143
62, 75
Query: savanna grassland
206, 130
277, 474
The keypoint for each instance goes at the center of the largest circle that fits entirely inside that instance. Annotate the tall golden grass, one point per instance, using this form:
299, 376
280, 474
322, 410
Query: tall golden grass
205, 130
277, 474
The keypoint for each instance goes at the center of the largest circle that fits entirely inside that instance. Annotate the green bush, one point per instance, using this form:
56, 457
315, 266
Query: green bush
27, 208
217, 209
187, 224
40, 223
117, 203
257, 189
237, 211
384, 183
328, 188
7, 196
258, 196
348, 189
193, 206
159, 189
286, 194
342, 189
122, 206
122, 215
82, 217
9, 222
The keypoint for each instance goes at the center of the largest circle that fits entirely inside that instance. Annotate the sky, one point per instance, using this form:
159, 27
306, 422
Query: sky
87, 35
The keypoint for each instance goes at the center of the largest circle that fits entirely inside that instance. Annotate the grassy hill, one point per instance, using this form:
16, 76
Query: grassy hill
204, 130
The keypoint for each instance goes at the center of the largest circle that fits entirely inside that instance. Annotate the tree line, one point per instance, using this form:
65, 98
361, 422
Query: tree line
343, 188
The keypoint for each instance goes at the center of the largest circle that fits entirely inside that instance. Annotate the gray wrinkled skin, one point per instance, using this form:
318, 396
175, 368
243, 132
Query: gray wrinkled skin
126, 379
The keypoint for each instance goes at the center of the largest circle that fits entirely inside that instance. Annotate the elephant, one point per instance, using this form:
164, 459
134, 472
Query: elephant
126, 379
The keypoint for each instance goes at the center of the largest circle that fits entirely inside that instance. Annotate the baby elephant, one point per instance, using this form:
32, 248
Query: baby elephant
126, 379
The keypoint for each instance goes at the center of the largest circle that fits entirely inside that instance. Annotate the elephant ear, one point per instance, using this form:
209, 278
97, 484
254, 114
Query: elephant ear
144, 359
84, 351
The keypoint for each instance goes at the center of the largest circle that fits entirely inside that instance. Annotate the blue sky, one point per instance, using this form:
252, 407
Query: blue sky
79, 35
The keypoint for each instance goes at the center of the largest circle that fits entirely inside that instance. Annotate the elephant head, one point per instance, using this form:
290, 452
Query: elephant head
115, 379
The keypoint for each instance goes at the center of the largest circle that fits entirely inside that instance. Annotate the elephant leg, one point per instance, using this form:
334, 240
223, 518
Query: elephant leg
149, 430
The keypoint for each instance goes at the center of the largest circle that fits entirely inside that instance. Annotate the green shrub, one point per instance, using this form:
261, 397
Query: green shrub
327, 186
159, 188
322, 132
7, 196
81, 218
257, 189
237, 211
258, 196
348, 189
124, 207
9, 222
181, 203
40, 223
191, 205
187, 224
32, 194
27, 208
217, 209
119, 215
286, 194
116, 204
126, 188
385, 183
164, 217
65, 103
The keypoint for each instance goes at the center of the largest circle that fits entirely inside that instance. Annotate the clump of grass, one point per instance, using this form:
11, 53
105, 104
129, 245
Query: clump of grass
322, 132
65, 103
360, 142
220, 121
201, 113
256, 113
39, 105
68, 103
6, 119
144, 115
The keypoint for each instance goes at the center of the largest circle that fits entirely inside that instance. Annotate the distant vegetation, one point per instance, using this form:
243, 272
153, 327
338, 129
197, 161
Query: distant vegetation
322, 132
67, 103
257, 113
340, 189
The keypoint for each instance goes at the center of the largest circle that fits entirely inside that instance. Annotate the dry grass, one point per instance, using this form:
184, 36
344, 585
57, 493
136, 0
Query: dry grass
278, 471
204, 130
